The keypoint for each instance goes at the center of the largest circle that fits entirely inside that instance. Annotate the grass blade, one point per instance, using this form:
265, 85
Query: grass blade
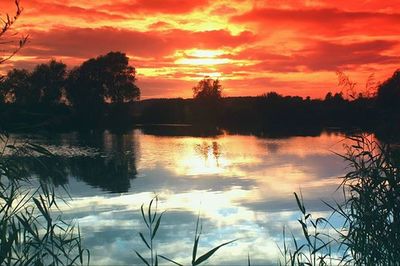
210, 253
172, 261
140, 256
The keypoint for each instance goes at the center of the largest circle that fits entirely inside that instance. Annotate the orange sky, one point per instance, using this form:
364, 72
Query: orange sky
292, 47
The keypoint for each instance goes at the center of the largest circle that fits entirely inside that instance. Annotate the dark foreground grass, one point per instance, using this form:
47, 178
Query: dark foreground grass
370, 233
30, 234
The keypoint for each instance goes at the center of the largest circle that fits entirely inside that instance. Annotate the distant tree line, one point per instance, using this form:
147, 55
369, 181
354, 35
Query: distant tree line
102, 92
89, 92
377, 108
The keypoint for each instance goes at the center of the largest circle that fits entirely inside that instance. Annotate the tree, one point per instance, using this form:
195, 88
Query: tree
16, 88
48, 81
334, 98
6, 23
208, 89
388, 96
107, 78
207, 106
99, 81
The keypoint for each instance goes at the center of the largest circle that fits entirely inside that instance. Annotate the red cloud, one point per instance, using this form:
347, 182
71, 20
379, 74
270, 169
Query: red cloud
87, 42
327, 21
156, 6
318, 56
35, 8
333, 56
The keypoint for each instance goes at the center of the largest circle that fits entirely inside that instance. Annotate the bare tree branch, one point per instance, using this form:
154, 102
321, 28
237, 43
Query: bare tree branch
7, 22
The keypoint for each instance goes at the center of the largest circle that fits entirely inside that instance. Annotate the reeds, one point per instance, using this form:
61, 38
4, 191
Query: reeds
29, 232
152, 221
370, 233
372, 206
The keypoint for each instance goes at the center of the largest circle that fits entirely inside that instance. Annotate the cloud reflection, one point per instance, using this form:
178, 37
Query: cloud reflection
241, 185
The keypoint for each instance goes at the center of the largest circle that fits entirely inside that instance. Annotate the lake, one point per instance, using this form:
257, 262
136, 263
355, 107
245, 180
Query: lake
241, 186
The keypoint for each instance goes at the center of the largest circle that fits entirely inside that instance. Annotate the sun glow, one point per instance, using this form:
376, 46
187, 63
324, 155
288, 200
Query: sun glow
210, 74
204, 53
202, 61
200, 57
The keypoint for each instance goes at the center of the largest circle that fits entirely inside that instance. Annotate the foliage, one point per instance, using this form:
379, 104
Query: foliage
334, 98
316, 245
48, 81
29, 232
388, 95
99, 82
105, 78
207, 101
42, 86
152, 221
370, 233
208, 90
349, 86
6, 23
372, 209
16, 87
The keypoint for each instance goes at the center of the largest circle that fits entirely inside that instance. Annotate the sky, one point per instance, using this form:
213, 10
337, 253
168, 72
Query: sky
291, 47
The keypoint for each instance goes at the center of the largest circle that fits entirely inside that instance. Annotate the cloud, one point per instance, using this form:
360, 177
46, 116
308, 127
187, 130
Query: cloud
294, 46
318, 56
332, 56
156, 6
327, 21
89, 42
35, 8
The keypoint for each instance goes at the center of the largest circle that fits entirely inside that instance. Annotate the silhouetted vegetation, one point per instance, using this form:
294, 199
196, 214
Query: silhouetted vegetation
388, 95
100, 82
207, 96
271, 112
101, 93
152, 221
370, 232
32, 231
10, 46
97, 93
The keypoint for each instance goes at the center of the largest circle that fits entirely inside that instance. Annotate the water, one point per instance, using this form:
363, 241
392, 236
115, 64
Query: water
242, 186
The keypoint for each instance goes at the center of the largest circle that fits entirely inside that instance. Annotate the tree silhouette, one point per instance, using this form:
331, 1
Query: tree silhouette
388, 96
16, 87
48, 81
98, 81
207, 95
334, 98
208, 89
7, 21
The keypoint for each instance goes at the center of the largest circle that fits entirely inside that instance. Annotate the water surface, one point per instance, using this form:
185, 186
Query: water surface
242, 186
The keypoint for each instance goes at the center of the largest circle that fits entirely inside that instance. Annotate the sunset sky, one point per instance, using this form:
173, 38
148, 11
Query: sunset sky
292, 47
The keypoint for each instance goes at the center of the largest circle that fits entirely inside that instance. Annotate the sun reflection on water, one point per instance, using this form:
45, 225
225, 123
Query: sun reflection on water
241, 185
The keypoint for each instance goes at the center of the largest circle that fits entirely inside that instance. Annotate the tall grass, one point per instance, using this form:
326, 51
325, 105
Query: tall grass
32, 231
372, 206
152, 220
370, 233
316, 247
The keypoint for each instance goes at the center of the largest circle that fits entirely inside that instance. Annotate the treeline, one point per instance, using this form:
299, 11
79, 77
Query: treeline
261, 112
378, 112
92, 94
101, 92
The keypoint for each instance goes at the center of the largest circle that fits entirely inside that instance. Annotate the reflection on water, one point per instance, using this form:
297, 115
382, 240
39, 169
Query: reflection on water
242, 186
